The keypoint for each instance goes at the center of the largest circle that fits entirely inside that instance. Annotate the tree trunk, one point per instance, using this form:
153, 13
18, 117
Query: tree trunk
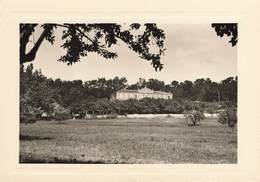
25, 34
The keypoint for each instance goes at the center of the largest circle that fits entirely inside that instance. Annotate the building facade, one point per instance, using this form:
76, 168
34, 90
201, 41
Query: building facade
126, 94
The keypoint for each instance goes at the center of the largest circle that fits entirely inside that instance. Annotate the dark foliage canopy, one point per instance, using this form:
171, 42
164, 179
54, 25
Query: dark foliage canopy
228, 29
81, 39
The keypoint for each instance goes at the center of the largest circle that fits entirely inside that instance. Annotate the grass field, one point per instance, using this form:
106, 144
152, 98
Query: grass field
132, 141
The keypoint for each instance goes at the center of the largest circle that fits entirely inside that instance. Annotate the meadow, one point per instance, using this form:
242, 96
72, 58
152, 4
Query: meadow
127, 141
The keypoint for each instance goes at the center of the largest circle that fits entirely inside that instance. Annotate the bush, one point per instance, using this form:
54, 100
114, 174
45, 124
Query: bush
228, 117
194, 116
60, 113
27, 118
132, 106
147, 106
61, 116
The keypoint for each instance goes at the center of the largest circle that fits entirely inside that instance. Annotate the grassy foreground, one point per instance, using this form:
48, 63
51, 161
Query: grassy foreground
132, 141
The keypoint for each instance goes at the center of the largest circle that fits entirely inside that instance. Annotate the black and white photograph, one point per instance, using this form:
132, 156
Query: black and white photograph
128, 93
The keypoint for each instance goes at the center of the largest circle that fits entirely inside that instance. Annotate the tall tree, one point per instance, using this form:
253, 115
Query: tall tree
187, 89
155, 84
228, 89
174, 83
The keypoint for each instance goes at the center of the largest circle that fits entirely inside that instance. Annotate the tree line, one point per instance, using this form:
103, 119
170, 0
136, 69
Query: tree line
40, 94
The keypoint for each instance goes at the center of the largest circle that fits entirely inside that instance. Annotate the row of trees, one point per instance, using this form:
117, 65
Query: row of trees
40, 94
131, 106
199, 90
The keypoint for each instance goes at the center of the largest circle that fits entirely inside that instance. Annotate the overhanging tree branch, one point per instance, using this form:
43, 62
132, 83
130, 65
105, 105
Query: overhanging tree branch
78, 41
30, 56
77, 29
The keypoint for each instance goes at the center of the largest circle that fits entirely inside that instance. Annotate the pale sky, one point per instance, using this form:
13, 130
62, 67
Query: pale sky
193, 51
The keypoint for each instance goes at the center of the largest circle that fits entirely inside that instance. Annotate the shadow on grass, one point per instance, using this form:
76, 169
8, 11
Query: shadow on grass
30, 138
64, 161
232, 142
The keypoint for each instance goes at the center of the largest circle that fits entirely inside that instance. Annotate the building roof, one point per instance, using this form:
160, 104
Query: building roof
128, 91
143, 90
161, 92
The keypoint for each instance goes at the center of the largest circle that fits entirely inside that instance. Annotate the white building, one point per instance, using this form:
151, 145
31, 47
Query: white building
126, 94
